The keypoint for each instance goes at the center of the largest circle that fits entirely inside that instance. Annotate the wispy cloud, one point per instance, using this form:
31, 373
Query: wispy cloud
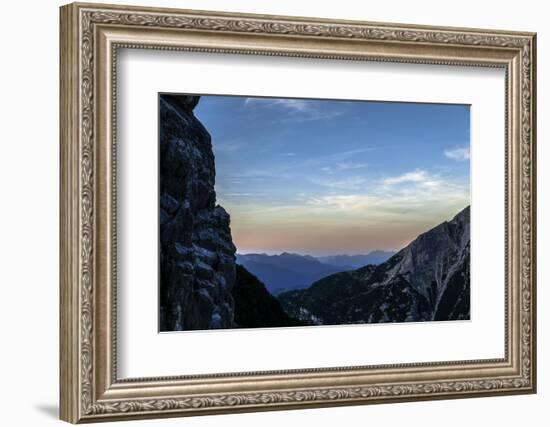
298, 105
244, 194
338, 160
256, 175
419, 196
415, 176
297, 110
352, 211
351, 183
310, 116
460, 154
341, 217
341, 201
331, 160
422, 185
342, 166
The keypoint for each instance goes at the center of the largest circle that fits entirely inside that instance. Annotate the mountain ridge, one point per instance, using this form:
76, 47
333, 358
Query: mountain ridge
288, 271
357, 260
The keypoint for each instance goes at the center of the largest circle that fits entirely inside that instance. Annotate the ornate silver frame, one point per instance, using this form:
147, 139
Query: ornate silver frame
90, 36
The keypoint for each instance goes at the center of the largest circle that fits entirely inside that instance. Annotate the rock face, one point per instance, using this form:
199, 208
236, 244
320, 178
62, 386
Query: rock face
427, 280
197, 255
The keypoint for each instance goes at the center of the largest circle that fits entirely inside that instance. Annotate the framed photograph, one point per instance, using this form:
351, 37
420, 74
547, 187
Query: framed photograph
265, 212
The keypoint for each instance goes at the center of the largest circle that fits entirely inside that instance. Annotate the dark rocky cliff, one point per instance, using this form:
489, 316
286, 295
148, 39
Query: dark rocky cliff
427, 280
197, 255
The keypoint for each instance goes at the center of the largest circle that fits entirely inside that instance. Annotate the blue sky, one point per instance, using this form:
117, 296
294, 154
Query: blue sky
326, 177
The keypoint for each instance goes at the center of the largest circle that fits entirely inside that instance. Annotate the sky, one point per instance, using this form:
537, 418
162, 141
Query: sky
324, 177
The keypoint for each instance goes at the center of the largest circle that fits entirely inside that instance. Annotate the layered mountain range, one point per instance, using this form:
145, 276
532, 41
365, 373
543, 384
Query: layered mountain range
205, 285
357, 261
290, 271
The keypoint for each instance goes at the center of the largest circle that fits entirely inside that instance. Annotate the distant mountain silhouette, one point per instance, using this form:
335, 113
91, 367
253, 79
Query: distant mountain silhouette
357, 261
427, 280
290, 271
287, 271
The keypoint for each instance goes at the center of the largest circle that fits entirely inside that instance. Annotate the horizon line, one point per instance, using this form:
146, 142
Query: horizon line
269, 253
394, 251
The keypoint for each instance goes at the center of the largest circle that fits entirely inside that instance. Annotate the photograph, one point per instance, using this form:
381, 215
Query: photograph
284, 212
